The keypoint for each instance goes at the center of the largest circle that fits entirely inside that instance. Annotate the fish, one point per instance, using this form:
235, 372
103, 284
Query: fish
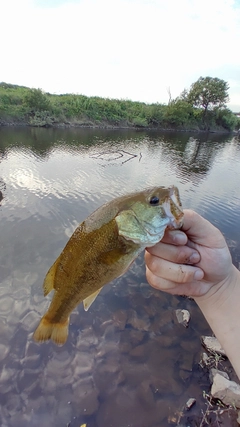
101, 249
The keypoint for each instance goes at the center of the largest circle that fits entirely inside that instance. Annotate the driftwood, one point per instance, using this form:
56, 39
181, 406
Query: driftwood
116, 154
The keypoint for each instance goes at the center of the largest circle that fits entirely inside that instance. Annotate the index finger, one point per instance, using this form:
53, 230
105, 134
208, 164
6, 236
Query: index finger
174, 237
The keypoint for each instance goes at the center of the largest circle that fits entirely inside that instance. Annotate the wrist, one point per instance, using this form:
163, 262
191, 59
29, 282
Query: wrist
219, 294
220, 307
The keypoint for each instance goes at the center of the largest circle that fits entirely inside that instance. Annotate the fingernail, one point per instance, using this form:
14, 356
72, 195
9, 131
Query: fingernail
198, 275
195, 257
179, 238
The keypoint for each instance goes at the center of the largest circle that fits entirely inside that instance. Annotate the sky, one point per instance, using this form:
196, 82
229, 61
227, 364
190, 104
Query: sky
127, 49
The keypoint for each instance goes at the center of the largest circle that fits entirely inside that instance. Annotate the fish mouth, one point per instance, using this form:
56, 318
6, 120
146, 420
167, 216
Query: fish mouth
173, 209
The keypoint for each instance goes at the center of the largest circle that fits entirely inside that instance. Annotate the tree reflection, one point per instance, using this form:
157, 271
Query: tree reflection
191, 156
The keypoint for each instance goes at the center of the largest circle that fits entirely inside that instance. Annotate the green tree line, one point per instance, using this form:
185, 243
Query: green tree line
202, 107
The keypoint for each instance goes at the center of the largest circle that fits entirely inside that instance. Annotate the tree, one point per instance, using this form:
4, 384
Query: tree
184, 95
208, 92
37, 100
178, 113
225, 118
169, 94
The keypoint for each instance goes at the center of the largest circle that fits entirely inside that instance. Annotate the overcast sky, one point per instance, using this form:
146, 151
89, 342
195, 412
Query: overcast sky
128, 49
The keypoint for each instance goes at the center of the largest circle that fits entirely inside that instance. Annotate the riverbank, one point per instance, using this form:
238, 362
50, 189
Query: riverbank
109, 126
22, 106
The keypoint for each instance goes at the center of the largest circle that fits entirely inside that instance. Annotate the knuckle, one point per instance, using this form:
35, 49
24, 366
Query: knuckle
182, 255
153, 264
183, 275
152, 279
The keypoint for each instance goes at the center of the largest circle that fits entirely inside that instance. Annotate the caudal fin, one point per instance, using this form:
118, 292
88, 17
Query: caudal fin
57, 332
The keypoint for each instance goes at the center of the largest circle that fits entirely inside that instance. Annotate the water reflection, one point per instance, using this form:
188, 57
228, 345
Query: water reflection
128, 351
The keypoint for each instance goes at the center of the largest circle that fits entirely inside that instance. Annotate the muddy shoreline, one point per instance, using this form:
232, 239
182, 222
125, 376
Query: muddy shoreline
110, 126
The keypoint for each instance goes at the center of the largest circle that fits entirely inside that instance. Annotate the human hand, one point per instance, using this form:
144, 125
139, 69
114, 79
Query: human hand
190, 261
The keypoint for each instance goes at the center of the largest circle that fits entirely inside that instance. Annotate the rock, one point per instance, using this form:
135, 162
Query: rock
238, 418
214, 371
205, 359
135, 373
120, 319
145, 393
183, 317
106, 348
227, 391
29, 319
88, 404
165, 340
190, 345
7, 305
118, 410
138, 323
135, 337
85, 401
82, 364
162, 322
164, 385
3, 351
8, 379
139, 352
124, 347
186, 361
87, 339
190, 403
185, 375
213, 345
165, 318
107, 376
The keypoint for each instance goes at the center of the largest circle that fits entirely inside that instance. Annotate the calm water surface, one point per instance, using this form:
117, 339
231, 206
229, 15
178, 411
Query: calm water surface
127, 362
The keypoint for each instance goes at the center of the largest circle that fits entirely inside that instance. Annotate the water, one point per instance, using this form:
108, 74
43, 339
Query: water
126, 362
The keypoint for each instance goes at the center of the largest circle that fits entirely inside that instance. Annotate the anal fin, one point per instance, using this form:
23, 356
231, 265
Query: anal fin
48, 284
87, 302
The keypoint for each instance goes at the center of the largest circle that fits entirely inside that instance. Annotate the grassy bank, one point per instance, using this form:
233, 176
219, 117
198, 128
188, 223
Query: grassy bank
21, 105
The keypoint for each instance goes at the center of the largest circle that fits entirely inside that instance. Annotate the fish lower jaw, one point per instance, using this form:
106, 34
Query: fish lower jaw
176, 219
176, 224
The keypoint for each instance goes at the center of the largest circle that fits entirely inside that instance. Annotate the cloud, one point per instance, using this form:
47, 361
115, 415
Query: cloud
131, 49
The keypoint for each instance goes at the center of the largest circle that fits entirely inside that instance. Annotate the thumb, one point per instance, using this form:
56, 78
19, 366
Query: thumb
201, 231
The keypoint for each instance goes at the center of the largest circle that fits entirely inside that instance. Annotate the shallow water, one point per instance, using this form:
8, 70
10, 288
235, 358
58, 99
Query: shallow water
127, 362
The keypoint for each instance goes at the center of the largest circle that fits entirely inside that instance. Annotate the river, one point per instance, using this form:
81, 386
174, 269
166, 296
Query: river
127, 361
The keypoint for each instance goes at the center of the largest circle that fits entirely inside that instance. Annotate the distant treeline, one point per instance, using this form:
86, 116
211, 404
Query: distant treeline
22, 105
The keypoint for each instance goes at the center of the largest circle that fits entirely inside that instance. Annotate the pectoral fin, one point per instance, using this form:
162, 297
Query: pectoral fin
112, 257
87, 302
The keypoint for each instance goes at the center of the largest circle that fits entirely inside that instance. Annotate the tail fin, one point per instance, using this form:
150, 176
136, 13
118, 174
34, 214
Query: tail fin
57, 332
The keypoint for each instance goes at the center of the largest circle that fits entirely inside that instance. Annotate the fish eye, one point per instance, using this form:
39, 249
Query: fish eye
154, 200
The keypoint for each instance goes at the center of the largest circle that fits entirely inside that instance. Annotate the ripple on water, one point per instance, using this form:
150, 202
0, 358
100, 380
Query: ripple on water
127, 351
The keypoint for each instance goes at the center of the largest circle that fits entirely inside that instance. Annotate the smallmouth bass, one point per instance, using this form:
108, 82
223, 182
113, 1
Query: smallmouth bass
101, 249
